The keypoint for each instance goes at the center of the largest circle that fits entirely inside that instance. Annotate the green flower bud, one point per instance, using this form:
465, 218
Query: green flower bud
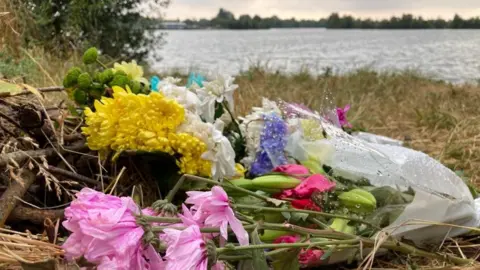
90, 56
106, 76
135, 86
120, 72
358, 201
80, 96
70, 79
84, 80
119, 80
97, 90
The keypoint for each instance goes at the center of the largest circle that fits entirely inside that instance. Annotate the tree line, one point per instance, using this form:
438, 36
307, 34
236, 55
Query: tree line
226, 20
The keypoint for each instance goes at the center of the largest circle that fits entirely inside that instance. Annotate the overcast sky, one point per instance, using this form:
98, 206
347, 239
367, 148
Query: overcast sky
314, 9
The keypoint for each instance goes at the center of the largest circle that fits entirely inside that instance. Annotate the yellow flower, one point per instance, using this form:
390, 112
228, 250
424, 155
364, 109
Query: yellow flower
312, 130
240, 170
133, 71
144, 122
191, 148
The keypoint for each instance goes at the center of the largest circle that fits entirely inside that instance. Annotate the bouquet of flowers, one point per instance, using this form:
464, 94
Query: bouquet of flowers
284, 187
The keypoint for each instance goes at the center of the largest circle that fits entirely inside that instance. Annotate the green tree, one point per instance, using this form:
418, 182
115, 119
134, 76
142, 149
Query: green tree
116, 27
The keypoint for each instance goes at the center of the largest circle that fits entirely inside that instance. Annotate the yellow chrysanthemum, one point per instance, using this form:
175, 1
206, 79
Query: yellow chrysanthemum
144, 122
191, 148
133, 71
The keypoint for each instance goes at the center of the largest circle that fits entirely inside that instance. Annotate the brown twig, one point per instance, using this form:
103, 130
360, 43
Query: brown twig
20, 156
37, 216
16, 189
51, 89
73, 176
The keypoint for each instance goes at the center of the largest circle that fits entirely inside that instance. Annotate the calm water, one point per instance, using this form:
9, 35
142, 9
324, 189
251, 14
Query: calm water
452, 55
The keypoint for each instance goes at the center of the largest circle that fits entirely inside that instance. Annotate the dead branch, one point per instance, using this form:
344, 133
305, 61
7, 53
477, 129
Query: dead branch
17, 189
21, 156
73, 176
37, 216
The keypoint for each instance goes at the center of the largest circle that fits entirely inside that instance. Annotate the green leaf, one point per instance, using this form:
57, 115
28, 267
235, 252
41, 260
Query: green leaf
258, 261
294, 217
286, 260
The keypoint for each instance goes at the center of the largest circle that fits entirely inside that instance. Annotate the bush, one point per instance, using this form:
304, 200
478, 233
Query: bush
115, 27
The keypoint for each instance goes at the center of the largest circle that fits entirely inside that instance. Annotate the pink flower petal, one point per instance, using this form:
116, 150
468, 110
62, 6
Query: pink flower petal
293, 170
237, 228
310, 257
316, 182
287, 239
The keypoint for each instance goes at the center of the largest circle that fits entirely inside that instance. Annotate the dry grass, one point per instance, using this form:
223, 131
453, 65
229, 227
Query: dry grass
437, 118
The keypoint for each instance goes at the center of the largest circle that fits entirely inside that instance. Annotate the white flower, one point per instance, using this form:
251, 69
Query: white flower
222, 154
218, 91
182, 95
194, 125
219, 150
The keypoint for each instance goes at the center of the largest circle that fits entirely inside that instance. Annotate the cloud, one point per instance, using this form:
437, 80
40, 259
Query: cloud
321, 8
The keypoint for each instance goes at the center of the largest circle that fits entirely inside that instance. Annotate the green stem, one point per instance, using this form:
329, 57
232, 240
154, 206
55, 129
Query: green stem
273, 209
318, 223
225, 105
161, 219
101, 64
289, 245
234, 257
175, 189
203, 229
341, 238
230, 186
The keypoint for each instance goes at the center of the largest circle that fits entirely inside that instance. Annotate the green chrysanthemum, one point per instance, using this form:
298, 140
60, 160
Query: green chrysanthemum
80, 96
135, 86
84, 80
119, 80
90, 56
106, 76
71, 78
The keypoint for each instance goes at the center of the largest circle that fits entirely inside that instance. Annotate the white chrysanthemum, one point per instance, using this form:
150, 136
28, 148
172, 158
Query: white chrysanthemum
219, 90
181, 94
219, 149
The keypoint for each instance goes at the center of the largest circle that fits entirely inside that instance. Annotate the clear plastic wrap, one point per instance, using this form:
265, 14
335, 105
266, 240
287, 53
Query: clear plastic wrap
440, 196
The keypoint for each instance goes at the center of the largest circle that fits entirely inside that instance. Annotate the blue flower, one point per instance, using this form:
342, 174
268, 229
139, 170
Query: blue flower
154, 81
273, 141
195, 78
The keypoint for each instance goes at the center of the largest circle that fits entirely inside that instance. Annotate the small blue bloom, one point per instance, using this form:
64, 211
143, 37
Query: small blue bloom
154, 81
273, 141
195, 78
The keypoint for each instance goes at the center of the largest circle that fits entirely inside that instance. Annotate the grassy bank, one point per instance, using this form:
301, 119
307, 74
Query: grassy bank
438, 118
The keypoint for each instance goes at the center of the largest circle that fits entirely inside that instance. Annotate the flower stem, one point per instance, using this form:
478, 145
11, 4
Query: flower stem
318, 223
161, 219
175, 189
340, 238
289, 245
273, 209
225, 105
102, 64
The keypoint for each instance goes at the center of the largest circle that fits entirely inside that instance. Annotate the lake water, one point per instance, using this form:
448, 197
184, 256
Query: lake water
452, 55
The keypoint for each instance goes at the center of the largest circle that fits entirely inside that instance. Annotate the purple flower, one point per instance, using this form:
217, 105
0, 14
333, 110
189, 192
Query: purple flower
342, 116
272, 145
